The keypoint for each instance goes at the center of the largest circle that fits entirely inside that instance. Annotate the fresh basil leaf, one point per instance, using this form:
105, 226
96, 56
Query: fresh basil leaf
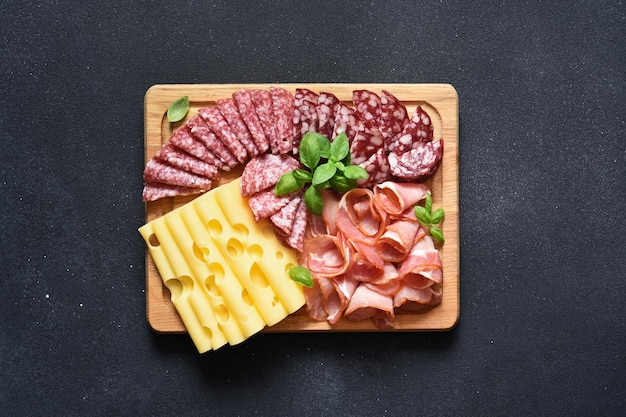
324, 145
310, 151
323, 173
437, 216
313, 200
302, 176
347, 160
301, 275
422, 215
178, 109
342, 184
428, 205
340, 165
286, 184
339, 148
355, 172
437, 234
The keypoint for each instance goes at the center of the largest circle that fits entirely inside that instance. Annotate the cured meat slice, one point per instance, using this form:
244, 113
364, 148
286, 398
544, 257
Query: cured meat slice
367, 106
262, 100
397, 197
366, 303
283, 106
183, 139
377, 166
199, 128
247, 110
366, 143
329, 297
158, 171
265, 203
327, 104
419, 130
345, 121
358, 206
417, 164
315, 299
224, 133
153, 191
181, 159
305, 115
422, 267
229, 110
283, 220
393, 116
264, 171
394, 245
295, 239
326, 255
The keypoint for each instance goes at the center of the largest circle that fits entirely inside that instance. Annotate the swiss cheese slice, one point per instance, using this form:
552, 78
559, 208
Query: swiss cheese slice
228, 274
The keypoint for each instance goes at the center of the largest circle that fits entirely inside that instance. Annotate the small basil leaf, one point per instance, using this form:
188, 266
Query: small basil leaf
324, 145
313, 201
339, 148
428, 205
437, 234
437, 216
301, 275
340, 165
422, 215
286, 184
310, 151
342, 184
347, 160
302, 176
323, 173
178, 109
355, 172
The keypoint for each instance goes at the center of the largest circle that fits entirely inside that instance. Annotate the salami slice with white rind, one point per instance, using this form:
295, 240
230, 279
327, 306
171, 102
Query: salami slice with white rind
417, 164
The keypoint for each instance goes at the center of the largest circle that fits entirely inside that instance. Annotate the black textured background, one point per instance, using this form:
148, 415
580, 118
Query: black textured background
542, 197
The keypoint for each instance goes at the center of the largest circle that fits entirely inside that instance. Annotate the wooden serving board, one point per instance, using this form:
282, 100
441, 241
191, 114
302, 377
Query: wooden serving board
439, 100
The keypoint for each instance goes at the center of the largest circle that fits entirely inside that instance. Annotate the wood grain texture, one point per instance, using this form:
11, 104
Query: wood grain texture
439, 100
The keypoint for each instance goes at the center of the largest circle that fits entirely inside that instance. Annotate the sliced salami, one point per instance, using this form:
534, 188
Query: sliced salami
159, 171
295, 239
153, 191
224, 133
183, 139
266, 203
377, 166
283, 220
182, 160
366, 143
283, 103
327, 104
262, 100
417, 164
418, 130
345, 121
264, 171
245, 105
305, 115
367, 106
229, 110
199, 128
393, 116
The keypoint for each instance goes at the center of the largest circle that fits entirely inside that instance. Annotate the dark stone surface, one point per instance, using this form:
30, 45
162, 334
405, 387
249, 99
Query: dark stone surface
542, 188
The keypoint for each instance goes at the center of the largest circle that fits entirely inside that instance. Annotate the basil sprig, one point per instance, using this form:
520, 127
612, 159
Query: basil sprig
178, 109
429, 219
328, 167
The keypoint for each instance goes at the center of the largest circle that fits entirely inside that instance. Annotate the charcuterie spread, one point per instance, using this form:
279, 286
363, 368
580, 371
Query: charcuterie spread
337, 188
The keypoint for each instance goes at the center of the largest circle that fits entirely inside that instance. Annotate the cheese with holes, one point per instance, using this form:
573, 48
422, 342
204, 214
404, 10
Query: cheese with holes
227, 274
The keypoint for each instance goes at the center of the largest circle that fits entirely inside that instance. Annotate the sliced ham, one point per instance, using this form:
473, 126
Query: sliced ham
397, 240
356, 207
326, 255
368, 303
396, 197
422, 267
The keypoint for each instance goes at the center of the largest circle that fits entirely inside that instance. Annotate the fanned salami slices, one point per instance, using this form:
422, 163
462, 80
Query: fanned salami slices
262, 101
224, 133
158, 171
153, 191
199, 128
245, 106
283, 103
327, 104
182, 160
183, 139
418, 130
366, 143
393, 116
229, 110
264, 171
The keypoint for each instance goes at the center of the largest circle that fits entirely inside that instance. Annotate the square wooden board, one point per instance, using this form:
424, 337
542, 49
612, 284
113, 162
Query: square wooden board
439, 100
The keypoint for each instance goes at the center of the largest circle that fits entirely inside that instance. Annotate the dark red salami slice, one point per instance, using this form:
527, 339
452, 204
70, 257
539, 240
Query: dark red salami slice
199, 128
418, 130
245, 105
158, 171
366, 143
262, 100
224, 133
295, 239
183, 139
377, 166
153, 191
283, 103
345, 121
182, 160
264, 171
327, 104
283, 220
265, 203
367, 106
417, 164
393, 116
229, 110
305, 115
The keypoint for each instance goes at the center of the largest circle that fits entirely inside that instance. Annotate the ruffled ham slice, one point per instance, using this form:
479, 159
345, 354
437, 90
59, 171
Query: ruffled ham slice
329, 297
358, 218
369, 303
394, 245
422, 267
397, 197
326, 255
